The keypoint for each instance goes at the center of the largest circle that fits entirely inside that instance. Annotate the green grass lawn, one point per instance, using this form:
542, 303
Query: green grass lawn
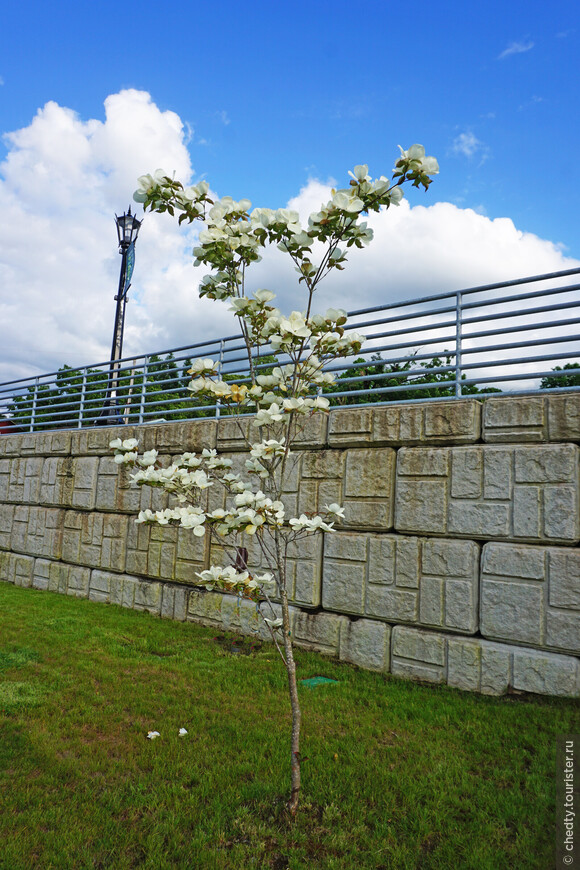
395, 774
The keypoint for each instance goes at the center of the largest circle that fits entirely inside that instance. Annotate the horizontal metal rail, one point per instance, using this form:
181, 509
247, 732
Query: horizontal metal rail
526, 345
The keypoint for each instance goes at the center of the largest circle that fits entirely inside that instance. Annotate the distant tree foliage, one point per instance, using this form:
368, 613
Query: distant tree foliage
374, 374
562, 380
166, 396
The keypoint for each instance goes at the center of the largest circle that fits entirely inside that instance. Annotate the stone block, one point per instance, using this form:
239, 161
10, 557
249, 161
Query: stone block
318, 631
564, 573
423, 462
547, 464
350, 427
481, 497
78, 581
180, 436
174, 602
546, 673
324, 463
100, 586
531, 595
448, 422
95, 442
421, 505
370, 473
563, 630
20, 570
37, 531
56, 481
115, 490
478, 666
148, 596
41, 574
564, 417
418, 654
366, 643
343, 586
234, 434
517, 418
512, 611
205, 607
58, 577
85, 474
303, 566
314, 431
431, 582
453, 422
6, 523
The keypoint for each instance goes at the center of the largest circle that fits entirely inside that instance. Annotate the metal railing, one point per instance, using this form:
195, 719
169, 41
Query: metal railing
516, 336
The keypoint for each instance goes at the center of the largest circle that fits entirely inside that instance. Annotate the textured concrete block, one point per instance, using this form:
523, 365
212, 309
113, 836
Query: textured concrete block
20, 570
418, 654
6, 523
37, 531
148, 596
115, 490
91, 442
512, 611
431, 582
564, 573
303, 566
41, 574
350, 427
174, 602
564, 417
531, 595
522, 493
546, 673
421, 505
517, 418
233, 434
85, 474
56, 481
452, 422
205, 607
78, 581
366, 643
100, 586
319, 631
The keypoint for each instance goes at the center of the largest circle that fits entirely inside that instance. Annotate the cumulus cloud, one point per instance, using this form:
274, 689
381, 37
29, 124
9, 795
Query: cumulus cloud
468, 145
61, 184
63, 180
516, 48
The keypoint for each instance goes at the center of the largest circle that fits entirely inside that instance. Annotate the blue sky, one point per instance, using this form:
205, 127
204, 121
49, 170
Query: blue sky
272, 97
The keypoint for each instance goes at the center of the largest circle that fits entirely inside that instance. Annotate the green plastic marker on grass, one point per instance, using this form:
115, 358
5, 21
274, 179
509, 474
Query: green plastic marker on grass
313, 682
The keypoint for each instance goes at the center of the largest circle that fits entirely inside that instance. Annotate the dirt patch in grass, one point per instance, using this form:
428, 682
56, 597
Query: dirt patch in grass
238, 645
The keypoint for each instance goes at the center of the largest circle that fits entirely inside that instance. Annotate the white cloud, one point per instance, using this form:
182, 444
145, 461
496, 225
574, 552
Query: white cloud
416, 251
516, 48
61, 184
466, 144
64, 179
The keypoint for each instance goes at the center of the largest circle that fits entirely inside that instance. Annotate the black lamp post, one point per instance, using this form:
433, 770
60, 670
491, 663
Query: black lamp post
127, 230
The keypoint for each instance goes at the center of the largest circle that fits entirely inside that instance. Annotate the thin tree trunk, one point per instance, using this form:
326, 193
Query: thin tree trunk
292, 803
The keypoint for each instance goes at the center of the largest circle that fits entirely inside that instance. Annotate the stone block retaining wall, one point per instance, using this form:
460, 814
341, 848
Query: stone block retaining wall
458, 559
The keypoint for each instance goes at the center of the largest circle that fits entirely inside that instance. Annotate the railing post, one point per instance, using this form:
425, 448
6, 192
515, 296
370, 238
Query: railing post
219, 371
34, 403
82, 402
143, 390
458, 336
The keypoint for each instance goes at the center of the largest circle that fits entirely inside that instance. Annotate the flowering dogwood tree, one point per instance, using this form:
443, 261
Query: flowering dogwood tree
303, 343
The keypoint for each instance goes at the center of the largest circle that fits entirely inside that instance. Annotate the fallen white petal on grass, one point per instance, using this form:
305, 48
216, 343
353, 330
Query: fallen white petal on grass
152, 735
182, 732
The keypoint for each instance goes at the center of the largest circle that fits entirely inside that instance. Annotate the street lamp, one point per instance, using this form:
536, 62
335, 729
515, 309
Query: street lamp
127, 231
